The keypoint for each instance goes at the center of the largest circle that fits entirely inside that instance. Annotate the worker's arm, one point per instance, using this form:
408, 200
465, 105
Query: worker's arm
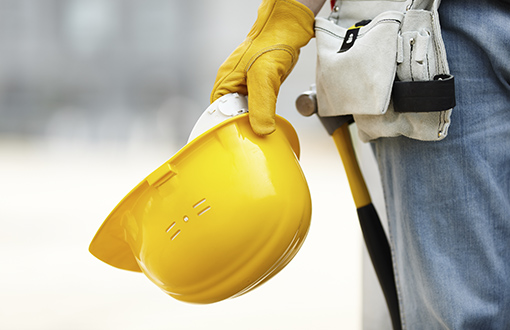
314, 5
266, 57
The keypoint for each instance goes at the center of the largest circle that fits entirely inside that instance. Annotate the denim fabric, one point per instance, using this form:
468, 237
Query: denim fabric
448, 202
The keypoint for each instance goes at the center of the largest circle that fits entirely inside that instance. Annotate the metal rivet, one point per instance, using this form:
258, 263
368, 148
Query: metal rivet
411, 41
336, 9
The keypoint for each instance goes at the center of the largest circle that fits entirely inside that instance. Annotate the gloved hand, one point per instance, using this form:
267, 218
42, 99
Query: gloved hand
266, 57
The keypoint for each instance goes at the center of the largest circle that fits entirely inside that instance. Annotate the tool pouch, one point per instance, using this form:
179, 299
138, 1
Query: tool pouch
384, 63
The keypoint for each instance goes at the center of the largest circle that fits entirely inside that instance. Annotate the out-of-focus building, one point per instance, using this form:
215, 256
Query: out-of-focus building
105, 68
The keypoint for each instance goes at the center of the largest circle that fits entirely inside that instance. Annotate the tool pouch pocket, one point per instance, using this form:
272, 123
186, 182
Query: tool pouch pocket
390, 73
422, 83
356, 66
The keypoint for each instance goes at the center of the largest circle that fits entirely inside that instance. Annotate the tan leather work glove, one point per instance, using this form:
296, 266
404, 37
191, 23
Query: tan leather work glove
266, 57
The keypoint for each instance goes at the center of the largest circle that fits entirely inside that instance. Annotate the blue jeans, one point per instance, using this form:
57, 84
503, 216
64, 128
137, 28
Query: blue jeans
448, 202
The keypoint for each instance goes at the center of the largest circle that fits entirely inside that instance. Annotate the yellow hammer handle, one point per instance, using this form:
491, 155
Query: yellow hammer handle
343, 141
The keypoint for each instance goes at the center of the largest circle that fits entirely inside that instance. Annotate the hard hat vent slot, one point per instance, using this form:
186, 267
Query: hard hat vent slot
200, 202
197, 204
175, 235
204, 210
170, 227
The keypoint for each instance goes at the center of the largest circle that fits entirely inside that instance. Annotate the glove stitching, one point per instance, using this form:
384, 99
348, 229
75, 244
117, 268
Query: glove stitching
283, 47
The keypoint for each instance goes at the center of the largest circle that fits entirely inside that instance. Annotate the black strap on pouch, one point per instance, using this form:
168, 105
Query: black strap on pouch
424, 96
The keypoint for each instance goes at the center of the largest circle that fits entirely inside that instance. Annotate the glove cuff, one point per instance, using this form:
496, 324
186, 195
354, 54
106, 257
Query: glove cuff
288, 21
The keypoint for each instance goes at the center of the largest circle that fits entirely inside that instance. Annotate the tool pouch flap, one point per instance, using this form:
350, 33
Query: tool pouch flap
356, 66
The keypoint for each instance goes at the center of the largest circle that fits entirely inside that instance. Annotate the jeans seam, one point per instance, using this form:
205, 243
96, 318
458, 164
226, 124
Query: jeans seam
392, 249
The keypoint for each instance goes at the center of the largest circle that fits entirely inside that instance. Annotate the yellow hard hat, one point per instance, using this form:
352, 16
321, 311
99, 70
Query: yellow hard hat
226, 213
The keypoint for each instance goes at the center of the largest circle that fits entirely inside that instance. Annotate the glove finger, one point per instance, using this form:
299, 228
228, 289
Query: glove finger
231, 78
264, 79
233, 82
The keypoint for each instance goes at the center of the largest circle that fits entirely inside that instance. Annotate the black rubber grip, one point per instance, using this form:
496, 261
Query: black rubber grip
380, 254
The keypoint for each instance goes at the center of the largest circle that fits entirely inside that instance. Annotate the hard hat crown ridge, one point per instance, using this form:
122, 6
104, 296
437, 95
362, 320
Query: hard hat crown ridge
226, 213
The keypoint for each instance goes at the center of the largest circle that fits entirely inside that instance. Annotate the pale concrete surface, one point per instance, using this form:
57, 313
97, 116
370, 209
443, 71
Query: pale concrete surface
54, 196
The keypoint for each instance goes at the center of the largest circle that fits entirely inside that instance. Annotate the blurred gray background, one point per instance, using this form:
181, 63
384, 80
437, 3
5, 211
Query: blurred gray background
108, 69
96, 94
111, 69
